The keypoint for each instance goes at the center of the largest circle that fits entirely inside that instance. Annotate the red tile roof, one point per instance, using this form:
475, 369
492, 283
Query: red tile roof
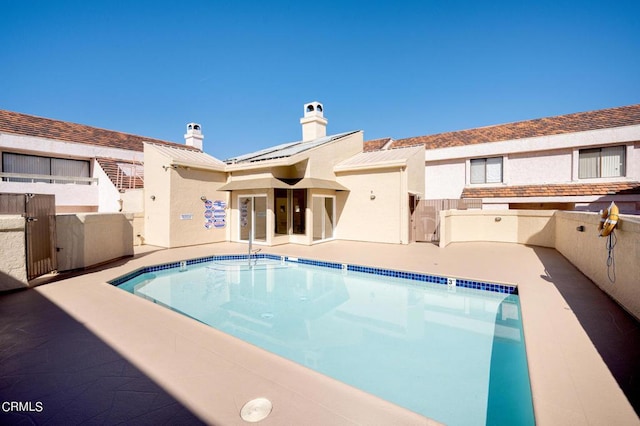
570, 123
375, 144
609, 188
29, 125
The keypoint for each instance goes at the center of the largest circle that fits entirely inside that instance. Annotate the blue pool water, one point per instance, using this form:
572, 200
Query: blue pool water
453, 354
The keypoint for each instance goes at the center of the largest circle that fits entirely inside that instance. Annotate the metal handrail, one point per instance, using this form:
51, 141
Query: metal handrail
50, 178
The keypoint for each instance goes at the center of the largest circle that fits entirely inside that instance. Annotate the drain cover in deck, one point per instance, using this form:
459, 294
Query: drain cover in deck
256, 410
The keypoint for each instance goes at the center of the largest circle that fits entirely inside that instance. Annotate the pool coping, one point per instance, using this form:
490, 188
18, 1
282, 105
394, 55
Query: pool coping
449, 281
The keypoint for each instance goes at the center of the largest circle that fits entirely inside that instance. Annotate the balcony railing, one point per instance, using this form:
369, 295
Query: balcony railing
31, 178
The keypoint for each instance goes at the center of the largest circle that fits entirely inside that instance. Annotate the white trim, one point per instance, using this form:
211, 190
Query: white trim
62, 179
333, 216
387, 144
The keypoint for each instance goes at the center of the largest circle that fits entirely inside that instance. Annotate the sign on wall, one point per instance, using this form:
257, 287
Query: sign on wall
215, 215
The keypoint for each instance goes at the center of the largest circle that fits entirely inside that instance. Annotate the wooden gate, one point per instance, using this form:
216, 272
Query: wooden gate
426, 216
39, 212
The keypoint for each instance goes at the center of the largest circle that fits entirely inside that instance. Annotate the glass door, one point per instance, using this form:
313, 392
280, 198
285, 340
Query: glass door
323, 217
253, 217
260, 219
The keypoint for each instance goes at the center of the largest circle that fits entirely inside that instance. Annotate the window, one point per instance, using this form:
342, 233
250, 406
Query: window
290, 207
35, 165
282, 210
486, 170
299, 210
601, 162
253, 217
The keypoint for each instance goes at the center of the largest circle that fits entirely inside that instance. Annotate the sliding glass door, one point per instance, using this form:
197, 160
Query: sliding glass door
323, 217
253, 217
290, 209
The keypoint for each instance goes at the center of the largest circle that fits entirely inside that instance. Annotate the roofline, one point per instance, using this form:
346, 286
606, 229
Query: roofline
86, 128
379, 165
508, 123
286, 160
178, 163
382, 164
429, 139
192, 165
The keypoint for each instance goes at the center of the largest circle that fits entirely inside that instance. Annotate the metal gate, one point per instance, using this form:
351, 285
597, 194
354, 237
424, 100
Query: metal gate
40, 231
426, 215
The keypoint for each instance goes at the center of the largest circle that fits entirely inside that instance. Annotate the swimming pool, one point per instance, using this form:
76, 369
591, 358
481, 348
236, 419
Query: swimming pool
451, 353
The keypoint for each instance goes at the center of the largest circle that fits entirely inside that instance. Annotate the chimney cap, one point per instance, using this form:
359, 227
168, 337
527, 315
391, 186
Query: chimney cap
313, 109
194, 136
194, 127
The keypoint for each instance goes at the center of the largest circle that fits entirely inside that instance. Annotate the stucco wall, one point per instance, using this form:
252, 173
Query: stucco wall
174, 212
534, 227
132, 201
109, 196
323, 158
588, 252
534, 168
157, 194
444, 179
416, 173
69, 196
186, 214
556, 156
89, 239
558, 229
138, 228
362, 219
13, 264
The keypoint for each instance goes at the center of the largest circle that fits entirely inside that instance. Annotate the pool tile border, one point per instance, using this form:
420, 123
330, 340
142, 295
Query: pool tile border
413, 276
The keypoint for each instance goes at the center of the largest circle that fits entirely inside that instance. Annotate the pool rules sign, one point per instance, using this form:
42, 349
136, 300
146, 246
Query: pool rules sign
215, 215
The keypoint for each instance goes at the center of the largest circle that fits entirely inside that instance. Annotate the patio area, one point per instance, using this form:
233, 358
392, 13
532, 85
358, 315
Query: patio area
90, 352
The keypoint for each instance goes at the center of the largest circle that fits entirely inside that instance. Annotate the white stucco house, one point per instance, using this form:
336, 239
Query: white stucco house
88, 169
579, 161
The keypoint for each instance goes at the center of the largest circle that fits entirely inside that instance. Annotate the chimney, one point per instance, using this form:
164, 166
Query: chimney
194, 136
314, 125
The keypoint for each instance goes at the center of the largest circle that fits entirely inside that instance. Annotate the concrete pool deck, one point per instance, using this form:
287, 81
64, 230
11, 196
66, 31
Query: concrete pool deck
577, 338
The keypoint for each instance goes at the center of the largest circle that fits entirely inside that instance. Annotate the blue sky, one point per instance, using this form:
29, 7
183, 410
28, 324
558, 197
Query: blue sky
244, 69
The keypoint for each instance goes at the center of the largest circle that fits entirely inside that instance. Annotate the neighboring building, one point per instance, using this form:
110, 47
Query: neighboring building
88, 169
579, 161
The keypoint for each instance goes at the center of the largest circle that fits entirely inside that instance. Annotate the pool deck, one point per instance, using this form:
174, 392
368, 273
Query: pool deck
581, 347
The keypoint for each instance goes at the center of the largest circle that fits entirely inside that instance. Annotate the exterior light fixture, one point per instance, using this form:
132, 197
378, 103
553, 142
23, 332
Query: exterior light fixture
372, 196
497, 219
153, 198
203, 198
580, 228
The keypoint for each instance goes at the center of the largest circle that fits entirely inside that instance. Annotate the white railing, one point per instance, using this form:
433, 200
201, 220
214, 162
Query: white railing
24, 177
127, 179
